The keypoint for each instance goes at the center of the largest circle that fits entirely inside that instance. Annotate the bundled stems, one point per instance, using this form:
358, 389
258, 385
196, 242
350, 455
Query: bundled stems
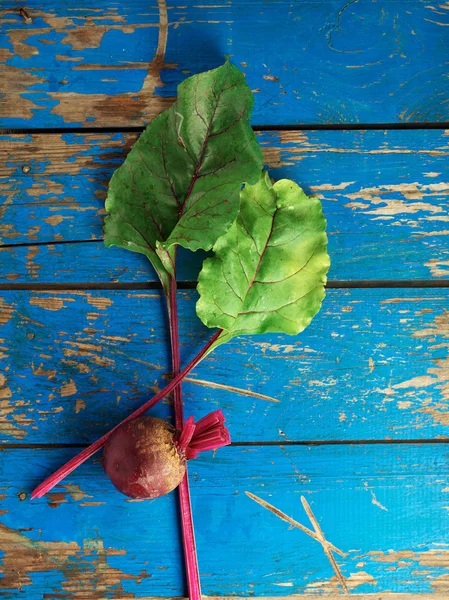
209, 433
191, 561
77, 460
188, 532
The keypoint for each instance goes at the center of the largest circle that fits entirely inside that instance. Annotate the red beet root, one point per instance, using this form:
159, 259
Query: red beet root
142, 460
146, 458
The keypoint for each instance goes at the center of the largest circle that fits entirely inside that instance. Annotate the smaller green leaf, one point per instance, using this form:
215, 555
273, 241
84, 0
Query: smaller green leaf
269, 270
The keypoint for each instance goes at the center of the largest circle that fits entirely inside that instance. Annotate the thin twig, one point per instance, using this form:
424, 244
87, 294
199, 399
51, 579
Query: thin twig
230, 388
288, 519
325, 544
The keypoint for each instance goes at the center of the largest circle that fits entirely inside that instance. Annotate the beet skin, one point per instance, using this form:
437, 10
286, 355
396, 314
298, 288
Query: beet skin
142, 459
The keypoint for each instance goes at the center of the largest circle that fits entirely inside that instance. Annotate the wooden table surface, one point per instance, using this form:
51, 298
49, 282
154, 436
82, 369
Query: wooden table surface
351, 101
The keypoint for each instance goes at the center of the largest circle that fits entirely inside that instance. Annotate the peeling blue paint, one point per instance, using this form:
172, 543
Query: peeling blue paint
373, 62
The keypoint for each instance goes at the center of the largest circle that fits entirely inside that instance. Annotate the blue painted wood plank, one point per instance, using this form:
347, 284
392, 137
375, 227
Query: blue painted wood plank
307, 62
372, 365
384, 194
385, 507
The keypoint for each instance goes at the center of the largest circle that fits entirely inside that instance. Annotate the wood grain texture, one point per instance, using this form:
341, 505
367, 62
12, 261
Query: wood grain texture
307, 62
372, 365
386, 509
384, 194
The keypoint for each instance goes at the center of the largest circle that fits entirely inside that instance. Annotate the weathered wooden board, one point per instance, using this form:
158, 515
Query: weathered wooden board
307, 62
372, 365
384, 193
385, 507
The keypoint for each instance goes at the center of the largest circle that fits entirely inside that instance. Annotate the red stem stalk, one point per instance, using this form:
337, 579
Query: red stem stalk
188, 531
77, 460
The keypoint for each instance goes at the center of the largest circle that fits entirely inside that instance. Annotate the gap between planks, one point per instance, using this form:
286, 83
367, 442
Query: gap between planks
308, 596
297, 127
15, 446
188, 285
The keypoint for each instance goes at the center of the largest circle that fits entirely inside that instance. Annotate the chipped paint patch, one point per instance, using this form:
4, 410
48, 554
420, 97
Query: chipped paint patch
94, 358
125, 107
52, 304
100, 303
277, 348
6, 311
401, 299
270, 78
41, 372
422, 381
440, 327
439, 413
438, 268
85, 571
147, 295
426, 558
55, 499
90, 352
81, 38
83, 33
353, 581
7, 428
374, 500
115, 338
68, 389
436, 377
329, 187
5, 390
81, 367
31, 266
404, 404
121, 108
440, 583
75, 492
15, 105
55, 220
413, 193
79, 406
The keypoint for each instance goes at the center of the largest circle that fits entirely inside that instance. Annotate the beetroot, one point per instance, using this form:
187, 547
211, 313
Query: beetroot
142, 460
146, 457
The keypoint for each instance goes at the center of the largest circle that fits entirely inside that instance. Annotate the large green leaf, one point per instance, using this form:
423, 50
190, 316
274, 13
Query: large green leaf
269, 269
180, 183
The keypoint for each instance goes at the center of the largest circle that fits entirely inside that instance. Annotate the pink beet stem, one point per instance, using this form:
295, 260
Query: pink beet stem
188, 531
187, 432
77, 460
210, 434
208, 421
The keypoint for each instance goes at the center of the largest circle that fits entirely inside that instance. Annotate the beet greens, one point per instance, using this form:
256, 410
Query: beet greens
269, 270
181, 184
